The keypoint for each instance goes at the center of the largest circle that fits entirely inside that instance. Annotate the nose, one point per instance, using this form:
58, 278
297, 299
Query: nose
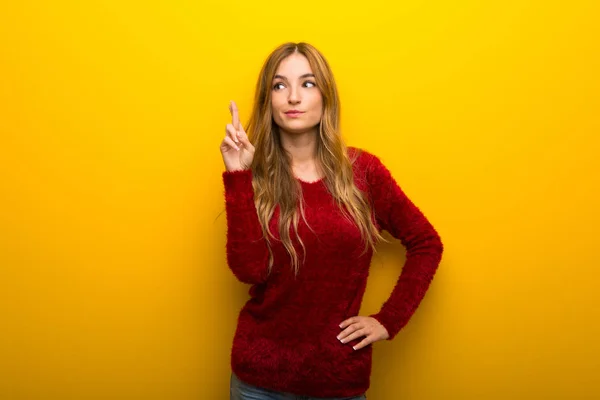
294, 97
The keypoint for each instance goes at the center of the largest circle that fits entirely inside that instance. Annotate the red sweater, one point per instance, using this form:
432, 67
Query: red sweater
286, 333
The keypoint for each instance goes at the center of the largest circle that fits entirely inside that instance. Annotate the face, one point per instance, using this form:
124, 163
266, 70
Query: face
294, 88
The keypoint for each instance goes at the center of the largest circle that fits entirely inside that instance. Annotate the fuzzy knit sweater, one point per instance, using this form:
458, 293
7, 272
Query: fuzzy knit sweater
286, 337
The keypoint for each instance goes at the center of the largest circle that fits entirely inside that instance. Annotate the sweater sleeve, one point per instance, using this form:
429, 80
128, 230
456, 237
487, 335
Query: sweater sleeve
397, 214
247, 252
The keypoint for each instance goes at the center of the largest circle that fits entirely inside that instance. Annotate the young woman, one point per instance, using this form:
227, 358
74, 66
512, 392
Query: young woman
304, 213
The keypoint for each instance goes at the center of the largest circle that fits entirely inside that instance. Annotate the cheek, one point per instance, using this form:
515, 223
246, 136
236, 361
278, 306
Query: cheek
318, 106
275, 107
278, 103
318, 102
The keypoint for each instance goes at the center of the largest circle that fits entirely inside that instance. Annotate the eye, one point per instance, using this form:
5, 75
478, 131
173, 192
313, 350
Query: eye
276, 86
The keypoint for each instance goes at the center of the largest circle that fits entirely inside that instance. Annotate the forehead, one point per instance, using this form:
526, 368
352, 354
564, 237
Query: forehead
294, 65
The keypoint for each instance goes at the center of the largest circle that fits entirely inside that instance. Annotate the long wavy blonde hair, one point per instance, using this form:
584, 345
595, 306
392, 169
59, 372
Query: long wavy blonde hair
273, 180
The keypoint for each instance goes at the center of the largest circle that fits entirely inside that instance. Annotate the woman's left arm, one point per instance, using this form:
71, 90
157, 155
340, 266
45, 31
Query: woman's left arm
398, 215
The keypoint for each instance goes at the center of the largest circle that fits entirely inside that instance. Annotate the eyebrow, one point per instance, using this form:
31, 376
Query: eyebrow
301, 77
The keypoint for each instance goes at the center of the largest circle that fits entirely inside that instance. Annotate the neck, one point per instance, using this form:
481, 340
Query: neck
301, 146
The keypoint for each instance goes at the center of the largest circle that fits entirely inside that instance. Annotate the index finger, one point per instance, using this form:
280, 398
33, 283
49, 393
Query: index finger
235, 119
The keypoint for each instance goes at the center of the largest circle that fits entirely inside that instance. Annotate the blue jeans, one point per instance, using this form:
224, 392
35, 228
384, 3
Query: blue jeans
239, 390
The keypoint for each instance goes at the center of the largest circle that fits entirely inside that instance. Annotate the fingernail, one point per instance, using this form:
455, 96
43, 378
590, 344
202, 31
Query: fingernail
354, 347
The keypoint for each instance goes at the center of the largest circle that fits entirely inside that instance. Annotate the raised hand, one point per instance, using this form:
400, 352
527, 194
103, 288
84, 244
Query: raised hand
236, 149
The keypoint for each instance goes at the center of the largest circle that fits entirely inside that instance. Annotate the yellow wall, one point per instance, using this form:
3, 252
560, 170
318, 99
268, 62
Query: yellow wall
113, 281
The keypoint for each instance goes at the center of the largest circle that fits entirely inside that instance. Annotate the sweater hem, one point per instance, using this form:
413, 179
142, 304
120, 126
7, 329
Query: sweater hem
266, 382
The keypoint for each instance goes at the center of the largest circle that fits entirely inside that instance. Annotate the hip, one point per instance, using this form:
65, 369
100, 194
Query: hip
240, 390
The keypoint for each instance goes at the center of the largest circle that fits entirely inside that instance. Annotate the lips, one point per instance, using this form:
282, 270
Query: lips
293, 114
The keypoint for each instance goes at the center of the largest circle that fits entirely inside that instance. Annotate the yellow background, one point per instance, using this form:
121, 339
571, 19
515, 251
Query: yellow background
113, 281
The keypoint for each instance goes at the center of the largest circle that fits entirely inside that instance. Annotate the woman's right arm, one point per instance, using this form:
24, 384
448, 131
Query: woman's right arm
247, 252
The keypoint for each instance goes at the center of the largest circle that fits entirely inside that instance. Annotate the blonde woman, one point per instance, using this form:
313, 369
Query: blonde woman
304, 214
